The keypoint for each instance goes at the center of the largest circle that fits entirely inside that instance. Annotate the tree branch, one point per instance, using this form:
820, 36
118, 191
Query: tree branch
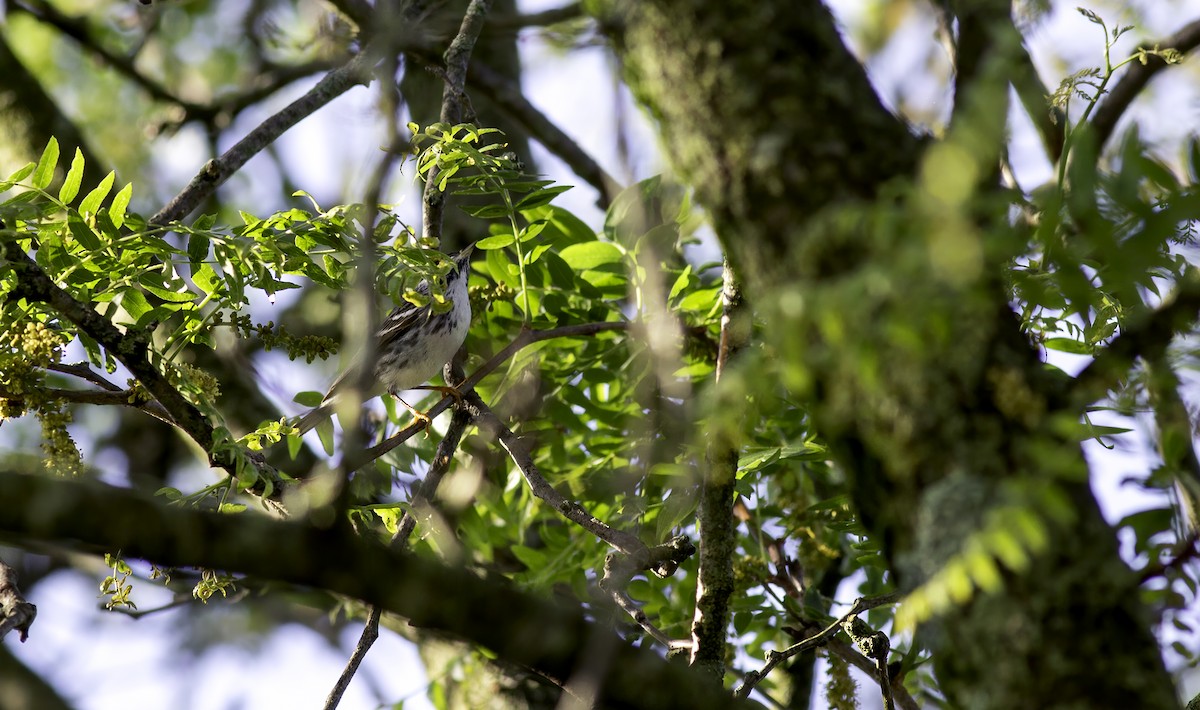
1049, 121
543, 18
130, 348
457, 57
626, 542
507, 95
214, 173
455, 601
1135, 78
718, 529
774, 658
126, 398
424, 496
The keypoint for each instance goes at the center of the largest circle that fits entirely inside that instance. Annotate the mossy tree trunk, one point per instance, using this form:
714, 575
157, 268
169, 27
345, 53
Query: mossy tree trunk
884, 294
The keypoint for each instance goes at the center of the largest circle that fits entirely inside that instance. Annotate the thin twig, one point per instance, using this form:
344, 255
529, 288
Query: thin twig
456, 58
369, 634
84, 372
424, 496
1135, 78
847, 653
127, 398
635, 556
876, 646
619, 570
543, 18
626, 542
774, 658
507, 95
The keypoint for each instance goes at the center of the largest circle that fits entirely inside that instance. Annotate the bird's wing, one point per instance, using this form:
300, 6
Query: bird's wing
399, 321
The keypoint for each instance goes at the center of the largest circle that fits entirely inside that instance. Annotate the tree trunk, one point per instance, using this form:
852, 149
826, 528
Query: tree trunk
896, 329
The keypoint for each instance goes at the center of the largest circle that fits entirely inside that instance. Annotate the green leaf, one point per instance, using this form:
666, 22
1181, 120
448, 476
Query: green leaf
135, 304
294, 444
681, 282
309, 399
534, 229
25, 171
531, 558
589, 255
197, 248
91, 203
541, 197
173, 290
497, 242
207, 280
83, 233
675, 510
757, 458
1067, 345
44, 174
70, 186
485, 211
116, 211
701, 301
171, 494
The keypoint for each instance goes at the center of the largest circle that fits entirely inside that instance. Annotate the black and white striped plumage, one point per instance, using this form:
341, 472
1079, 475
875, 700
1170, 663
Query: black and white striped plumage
413, 343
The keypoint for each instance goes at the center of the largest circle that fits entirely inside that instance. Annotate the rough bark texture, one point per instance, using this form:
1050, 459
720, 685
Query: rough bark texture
916, 370
490, 614
718, 529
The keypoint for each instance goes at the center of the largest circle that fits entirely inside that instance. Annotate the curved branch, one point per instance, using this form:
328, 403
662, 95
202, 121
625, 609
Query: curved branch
548, 635
508, 97
131, 348
214, 173
626, 542
1136, 77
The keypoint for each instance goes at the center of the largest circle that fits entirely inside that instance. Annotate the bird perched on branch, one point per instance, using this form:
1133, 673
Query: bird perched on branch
411, 345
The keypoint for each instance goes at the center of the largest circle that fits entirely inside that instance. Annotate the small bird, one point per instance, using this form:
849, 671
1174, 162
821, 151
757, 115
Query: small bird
411, 345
